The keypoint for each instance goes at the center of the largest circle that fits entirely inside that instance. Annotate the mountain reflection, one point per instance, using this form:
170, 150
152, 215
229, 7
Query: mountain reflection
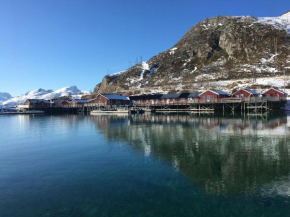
220, 155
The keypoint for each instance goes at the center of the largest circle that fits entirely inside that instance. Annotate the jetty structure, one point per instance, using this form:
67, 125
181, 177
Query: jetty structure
244, 100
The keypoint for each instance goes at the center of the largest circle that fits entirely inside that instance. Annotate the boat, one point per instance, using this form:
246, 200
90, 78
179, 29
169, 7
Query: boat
108, 112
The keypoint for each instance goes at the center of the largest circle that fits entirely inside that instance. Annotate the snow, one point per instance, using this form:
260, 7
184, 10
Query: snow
172, 50
270, 60
116, 74
281, 22
4, 96
72, 91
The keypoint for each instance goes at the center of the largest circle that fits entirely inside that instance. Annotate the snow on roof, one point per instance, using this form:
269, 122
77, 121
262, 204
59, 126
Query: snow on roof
281, 91
115, 97
220, 92
251, 92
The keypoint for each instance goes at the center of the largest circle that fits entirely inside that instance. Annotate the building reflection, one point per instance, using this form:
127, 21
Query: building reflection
221, 155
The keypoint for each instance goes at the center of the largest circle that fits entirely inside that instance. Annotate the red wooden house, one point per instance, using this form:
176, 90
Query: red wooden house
245, 93
149, 99
37, 103
275, 93
61, 103
213, 95
109, 100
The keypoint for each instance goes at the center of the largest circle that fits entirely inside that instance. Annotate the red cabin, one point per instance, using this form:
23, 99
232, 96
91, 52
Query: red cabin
275, 93
109, 99
213, 95
36, 103
245, 93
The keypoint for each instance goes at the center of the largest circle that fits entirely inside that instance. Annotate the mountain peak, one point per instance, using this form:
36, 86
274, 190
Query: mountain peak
287, 14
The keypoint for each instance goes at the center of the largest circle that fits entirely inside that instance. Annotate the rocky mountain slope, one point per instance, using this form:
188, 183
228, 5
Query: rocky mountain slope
71, 91
222, 48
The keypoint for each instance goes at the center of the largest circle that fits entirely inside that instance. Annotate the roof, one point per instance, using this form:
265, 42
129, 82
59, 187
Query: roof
281, 91
170, 96
38, 101
184, 95
218, 92
247, 90
81, 100
46, 101
143, 97
194, 95
251, 92
58, 101
32, 100
115, 97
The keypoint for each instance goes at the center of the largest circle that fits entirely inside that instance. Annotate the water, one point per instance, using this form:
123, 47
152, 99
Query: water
144, 165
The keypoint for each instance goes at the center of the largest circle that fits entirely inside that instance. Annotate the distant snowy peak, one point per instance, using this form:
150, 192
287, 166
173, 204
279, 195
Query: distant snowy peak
4, 96
40, 93
281, 22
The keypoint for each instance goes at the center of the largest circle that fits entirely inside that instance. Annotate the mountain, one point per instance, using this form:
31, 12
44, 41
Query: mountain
72, 91
4, 96
219, 52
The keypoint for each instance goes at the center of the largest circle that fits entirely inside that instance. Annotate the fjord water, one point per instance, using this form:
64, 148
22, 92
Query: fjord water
144, 165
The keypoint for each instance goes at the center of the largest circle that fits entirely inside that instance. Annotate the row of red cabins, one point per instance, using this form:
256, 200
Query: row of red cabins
100, 100
175, 98
211, 96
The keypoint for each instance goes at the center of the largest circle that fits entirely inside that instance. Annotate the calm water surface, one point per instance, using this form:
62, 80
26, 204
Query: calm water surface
146, 165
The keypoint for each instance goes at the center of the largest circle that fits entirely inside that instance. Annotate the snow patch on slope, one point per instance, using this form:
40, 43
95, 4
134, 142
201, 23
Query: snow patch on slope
281, 22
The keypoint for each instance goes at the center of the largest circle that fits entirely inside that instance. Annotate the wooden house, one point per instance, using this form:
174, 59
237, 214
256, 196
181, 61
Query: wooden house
193, 97
170, 99
61, 103
78, 102
36, 103
109, 100
242, 93
148, 99
275, 93
213, 95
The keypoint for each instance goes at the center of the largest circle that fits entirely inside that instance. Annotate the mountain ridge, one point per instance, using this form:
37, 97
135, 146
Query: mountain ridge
40, 93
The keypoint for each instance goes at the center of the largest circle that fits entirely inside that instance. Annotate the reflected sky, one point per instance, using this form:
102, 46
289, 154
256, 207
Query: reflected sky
144, 165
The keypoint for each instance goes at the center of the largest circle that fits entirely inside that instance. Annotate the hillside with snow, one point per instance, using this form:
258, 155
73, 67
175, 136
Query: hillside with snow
282, 22
71, 91
223, 51
4, 96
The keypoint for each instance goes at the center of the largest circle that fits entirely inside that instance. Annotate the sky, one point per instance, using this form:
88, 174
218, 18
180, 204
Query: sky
52, 44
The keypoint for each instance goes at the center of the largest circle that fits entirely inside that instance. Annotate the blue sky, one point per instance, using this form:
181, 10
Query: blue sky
56, 43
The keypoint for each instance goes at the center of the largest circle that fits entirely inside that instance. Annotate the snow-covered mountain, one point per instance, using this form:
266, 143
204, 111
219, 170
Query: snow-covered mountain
72, 91
4, 96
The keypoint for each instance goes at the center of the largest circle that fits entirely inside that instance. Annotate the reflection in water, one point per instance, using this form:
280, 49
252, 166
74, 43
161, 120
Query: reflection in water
248, 156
